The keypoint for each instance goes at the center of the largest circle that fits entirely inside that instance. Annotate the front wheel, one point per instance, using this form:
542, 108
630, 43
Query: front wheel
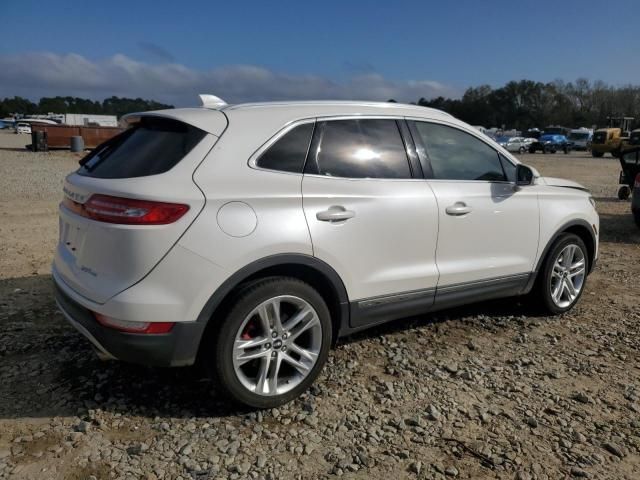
563, 275
597, 154
521, 150
273, 343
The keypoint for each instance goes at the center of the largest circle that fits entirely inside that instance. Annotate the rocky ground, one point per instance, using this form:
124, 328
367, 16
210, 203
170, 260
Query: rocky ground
487, 391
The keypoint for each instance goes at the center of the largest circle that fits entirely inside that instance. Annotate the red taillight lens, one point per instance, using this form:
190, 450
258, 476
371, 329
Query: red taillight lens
637, 182
127, 211
133, 327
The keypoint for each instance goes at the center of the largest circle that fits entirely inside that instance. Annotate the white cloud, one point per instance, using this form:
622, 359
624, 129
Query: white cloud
47, 74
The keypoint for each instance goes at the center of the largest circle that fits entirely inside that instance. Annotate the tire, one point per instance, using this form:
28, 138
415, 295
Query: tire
597, 154
241, 378
566, 150
532, 150
521, 150
549, 275
624, 192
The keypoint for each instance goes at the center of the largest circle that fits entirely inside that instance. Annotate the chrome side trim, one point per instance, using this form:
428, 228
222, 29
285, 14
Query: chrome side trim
400, 297
481, 283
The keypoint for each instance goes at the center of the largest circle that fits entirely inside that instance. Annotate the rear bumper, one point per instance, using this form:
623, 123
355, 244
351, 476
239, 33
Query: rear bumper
179, 347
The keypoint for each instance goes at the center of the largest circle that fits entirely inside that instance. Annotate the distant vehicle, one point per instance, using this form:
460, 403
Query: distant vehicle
23, 127
611, 139
551, 144
630, 175
630, 180
556, 130
581, 138
516, 144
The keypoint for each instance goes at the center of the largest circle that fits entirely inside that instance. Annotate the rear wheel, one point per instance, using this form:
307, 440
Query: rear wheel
563, 275
624, 192
521, 150
596, 154
274, 342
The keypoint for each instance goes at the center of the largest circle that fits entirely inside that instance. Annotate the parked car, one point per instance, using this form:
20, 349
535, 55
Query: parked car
251, 237
551, 143
23, 127
517, 144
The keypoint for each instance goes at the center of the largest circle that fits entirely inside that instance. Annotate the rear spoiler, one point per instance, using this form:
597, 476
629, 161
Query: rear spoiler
209, 120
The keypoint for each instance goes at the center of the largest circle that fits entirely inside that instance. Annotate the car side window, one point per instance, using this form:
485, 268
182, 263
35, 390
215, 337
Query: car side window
288, 153
358, 148
457, 155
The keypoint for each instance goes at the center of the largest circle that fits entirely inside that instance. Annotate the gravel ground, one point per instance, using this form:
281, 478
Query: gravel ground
486, 391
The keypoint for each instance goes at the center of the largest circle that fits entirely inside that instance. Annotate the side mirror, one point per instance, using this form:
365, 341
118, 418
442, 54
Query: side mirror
524, 175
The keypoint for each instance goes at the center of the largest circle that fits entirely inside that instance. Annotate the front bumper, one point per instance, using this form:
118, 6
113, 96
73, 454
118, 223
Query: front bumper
179, 347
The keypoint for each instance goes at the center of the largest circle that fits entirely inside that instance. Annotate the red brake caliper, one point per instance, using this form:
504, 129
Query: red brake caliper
249, 330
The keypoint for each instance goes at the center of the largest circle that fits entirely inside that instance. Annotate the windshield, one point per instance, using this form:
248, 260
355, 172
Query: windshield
547, 138
578, 136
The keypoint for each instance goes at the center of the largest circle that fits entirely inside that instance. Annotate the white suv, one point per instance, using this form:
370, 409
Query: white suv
251, 237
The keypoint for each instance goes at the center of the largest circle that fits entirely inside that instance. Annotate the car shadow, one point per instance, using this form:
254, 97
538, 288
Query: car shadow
48, 369
512, 307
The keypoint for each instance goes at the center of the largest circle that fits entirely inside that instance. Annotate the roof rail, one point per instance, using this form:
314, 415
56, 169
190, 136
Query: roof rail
211, 101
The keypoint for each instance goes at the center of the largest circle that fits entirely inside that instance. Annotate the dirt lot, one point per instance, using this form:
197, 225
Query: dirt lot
488, 391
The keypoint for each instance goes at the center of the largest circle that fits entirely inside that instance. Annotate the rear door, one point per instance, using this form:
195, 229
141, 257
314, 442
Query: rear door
488, 235
369, 218
154, 161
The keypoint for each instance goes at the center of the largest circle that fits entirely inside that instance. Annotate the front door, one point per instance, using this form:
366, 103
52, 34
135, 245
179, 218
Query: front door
488, 235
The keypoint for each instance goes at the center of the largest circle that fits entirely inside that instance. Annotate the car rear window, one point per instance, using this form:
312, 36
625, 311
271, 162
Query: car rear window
153, 146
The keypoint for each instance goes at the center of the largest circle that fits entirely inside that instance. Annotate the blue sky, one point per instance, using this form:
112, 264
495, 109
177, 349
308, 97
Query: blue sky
303, 49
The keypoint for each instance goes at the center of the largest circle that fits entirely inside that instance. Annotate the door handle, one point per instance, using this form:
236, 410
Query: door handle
458, 208
335, 213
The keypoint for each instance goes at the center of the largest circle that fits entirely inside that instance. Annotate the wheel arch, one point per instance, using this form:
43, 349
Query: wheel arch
579, 227
309, 269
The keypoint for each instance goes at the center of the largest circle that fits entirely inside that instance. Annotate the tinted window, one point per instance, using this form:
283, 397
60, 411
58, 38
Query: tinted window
153, 146
456, 155
359, 149
289, 151
509, 169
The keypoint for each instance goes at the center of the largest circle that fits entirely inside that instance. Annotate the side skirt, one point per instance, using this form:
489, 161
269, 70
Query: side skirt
372, 311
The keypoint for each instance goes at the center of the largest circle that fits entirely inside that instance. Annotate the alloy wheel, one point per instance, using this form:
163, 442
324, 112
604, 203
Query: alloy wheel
567, 276
277, 345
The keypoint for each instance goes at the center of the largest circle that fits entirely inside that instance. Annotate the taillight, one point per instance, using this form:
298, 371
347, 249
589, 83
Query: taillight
637, 183
127, 211
133, 327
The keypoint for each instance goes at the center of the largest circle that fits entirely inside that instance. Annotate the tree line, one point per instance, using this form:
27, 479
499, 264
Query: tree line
109, 106
518, 104
527, 104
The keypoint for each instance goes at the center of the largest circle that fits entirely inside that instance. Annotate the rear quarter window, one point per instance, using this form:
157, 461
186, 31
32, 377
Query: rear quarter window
289, 152
153, 146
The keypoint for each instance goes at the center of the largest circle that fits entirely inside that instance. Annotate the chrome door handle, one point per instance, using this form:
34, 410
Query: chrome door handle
335, 213
457, 209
